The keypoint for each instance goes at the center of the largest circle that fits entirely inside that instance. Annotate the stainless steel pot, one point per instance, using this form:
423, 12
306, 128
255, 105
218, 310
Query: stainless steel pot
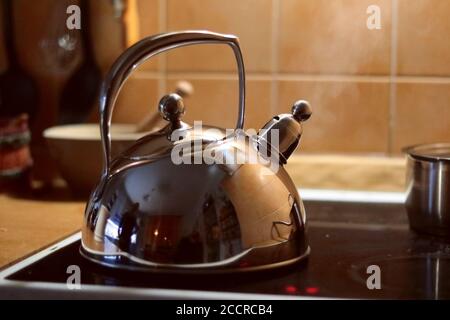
428, 188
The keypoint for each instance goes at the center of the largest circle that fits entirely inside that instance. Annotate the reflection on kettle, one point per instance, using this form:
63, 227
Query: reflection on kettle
149, 213
127, 226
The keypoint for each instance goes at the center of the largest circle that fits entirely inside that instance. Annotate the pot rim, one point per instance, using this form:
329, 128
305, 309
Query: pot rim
434, 152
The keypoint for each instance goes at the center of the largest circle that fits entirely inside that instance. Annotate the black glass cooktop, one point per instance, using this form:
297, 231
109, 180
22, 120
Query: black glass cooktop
345, 239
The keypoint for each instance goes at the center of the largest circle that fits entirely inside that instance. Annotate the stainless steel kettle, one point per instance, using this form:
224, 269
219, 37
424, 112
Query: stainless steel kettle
166, 204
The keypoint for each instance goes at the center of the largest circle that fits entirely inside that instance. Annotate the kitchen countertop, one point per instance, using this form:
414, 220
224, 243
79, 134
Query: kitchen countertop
30, 224
27, 225
344, 172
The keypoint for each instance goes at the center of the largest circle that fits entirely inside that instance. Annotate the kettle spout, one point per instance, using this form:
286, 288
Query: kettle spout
283, 132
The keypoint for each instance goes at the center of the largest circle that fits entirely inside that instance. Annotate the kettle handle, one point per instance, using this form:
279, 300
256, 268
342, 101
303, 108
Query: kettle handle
142, 51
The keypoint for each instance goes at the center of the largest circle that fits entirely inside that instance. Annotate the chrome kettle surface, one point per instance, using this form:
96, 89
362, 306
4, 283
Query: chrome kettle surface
154, 212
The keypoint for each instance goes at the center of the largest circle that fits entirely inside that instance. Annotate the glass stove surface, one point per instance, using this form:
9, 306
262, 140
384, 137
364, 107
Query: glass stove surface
345, 238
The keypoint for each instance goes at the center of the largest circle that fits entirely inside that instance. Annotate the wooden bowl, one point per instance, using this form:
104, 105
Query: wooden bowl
78, 152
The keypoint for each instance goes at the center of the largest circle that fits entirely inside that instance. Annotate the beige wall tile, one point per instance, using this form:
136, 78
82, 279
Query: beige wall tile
107, 33
249, 19
423, 37
215, 102
138, 98
323, 36
422, 114
148, 17
347, 116
149, 25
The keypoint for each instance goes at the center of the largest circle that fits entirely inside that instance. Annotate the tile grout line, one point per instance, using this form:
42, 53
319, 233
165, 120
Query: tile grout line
393, 77
162, 65
274, 93
295, 77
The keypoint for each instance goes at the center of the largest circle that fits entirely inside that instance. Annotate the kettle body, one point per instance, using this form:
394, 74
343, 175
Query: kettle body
188, 200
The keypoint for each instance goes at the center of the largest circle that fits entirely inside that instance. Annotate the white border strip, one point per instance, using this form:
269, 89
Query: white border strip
38, 256
352, 196
44, 290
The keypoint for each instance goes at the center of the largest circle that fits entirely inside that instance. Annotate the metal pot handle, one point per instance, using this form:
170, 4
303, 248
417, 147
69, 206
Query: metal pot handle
141, 52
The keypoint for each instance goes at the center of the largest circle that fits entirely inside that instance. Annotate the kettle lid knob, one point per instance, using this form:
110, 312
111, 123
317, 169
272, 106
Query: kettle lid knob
301, 110
171, 107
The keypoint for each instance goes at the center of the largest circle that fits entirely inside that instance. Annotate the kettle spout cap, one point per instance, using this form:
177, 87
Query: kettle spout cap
283, 132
